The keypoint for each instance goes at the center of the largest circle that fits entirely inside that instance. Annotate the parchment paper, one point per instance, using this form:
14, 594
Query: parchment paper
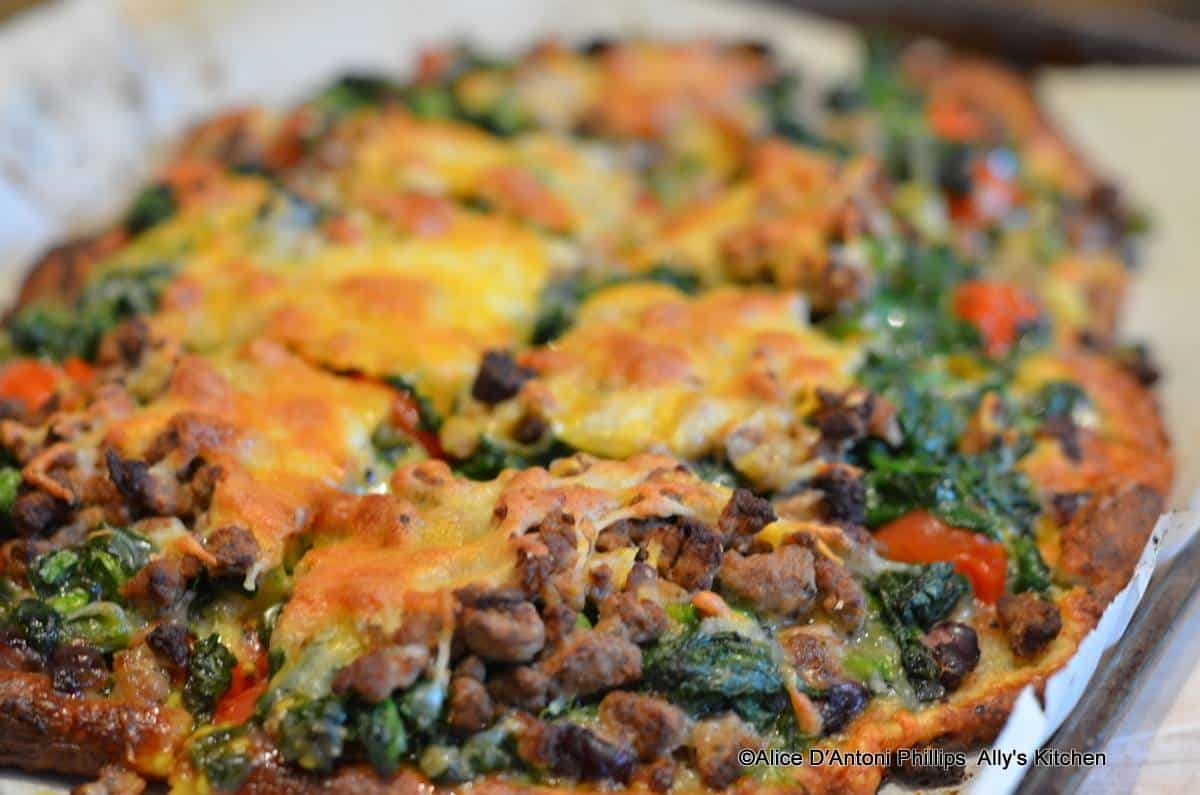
89, 87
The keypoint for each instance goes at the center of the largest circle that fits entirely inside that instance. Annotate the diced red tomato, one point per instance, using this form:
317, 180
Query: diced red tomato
237, 705
920, 537
30, 381
79, 371
997, 310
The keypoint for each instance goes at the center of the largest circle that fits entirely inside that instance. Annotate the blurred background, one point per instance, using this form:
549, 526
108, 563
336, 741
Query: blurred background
90, 90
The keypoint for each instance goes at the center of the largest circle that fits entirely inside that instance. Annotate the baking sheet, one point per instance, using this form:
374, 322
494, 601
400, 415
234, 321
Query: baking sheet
88, 87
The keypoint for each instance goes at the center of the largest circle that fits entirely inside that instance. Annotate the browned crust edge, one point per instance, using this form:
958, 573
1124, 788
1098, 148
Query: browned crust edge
44, 730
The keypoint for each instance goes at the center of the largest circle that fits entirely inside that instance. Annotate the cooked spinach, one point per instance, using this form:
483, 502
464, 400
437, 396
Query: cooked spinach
223, 756
99, 567
490, 458
706, 673
313, 734
911, 602
58, 331
382, 735
1026, 569
210, 672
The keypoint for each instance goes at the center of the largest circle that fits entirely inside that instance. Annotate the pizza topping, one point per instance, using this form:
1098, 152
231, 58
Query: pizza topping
843, 495
591, 661
499, 378
779, 583
376, 674
76, 667
470, 708
171, 642
840, 595
1029, 621
841, 703
689, 552
501, 626
743, 516
716, 743
653, 727
524, 687
569, 750
997, 310
234, 549
920, 537
955, 649
36, 513
636, 619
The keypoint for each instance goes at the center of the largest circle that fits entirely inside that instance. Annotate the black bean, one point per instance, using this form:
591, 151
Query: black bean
955, 648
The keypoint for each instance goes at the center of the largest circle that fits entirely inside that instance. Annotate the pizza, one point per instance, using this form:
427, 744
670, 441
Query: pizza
578, 421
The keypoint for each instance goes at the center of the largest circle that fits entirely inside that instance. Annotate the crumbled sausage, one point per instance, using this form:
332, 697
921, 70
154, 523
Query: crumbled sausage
471, 667
36, 513
651, 725
955, 649
592, 661
471, 707
779, 583
690, 552
499, 378
744, 515
125, 344
235, 549
560, 622
716, 743
1029, 621
163, 580
545, 551
500, 625
843, 417
815, 654
523, 687
376, 674
571, 751
842, 598
600, 583
843, 495
149, 494
77, 667
638, 620
170, 641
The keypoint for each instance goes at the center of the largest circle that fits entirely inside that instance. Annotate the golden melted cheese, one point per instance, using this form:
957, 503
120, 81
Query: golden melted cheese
421, 305
378, 555
646, 366
282, 432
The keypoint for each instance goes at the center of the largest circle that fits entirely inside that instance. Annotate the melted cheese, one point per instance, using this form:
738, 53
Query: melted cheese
450, 532
645, 365
424, 306
282, 432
